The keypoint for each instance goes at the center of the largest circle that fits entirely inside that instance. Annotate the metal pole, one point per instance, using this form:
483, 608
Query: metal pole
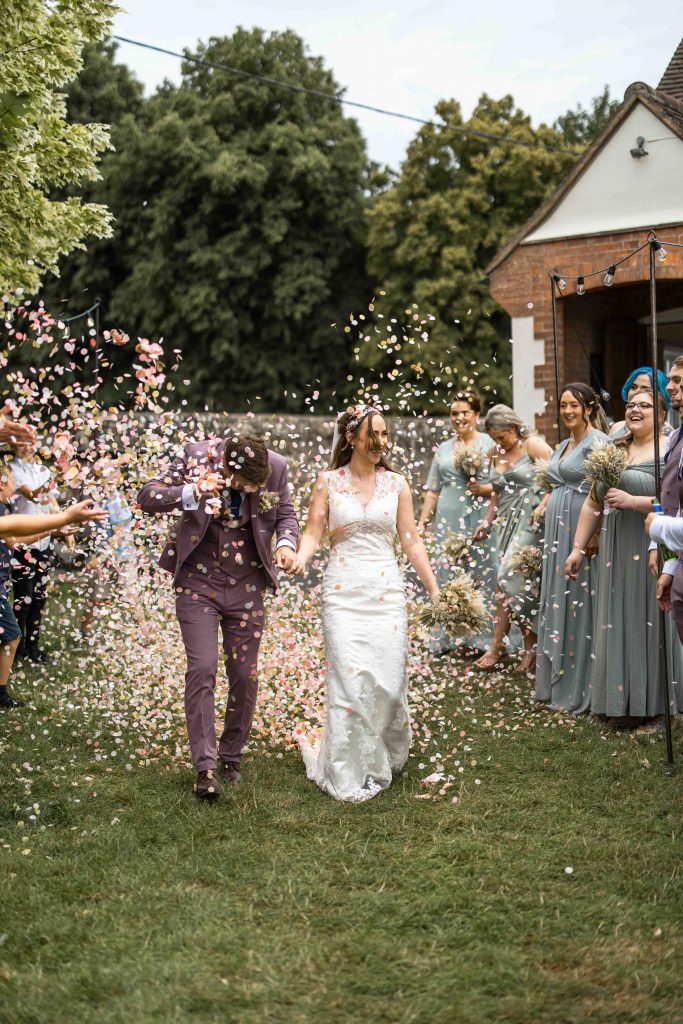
556, 355
658, 487
97, 350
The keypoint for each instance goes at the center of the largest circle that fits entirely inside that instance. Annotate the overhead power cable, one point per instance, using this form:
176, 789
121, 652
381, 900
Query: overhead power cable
332, 98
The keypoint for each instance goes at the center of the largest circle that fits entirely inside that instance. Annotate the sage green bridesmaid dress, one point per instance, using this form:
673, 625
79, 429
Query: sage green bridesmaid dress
628, 636
518, 496
567, 607
459, 511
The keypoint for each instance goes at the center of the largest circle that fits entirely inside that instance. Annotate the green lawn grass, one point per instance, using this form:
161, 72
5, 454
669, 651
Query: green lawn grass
137, 904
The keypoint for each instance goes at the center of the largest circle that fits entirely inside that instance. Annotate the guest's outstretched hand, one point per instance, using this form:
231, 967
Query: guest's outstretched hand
12, 431
84, 512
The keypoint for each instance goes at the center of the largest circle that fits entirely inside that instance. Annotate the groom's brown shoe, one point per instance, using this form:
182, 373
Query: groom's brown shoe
229, 772
207, 786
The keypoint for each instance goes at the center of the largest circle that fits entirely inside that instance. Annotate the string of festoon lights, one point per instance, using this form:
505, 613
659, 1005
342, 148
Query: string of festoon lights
558, 285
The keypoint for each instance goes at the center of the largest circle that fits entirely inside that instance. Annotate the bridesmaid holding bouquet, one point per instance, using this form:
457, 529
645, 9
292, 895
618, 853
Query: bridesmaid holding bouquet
565, 632
456, 493
628, 657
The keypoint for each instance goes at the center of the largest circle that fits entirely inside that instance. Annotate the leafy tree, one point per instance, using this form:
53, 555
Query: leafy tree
580, 126
431, 234
40, 53
239, 223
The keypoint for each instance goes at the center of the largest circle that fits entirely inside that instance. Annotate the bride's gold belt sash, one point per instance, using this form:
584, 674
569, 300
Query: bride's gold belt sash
342, 533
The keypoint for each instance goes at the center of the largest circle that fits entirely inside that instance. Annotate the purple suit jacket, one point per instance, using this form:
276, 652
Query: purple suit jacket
164, 494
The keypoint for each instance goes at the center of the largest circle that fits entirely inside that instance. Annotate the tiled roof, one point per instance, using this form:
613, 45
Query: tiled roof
665, 106
672, 79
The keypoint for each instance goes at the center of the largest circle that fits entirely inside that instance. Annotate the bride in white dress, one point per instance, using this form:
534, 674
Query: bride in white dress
364, 505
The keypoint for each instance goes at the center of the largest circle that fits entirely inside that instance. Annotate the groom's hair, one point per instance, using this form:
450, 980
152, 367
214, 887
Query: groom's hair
247, 455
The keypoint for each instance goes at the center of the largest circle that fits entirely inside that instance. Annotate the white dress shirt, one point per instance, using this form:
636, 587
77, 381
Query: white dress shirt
668, 530
32, 475
190, 504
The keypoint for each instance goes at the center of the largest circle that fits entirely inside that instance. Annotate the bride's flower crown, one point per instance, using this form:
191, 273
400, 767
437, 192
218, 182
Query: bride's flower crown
358, 413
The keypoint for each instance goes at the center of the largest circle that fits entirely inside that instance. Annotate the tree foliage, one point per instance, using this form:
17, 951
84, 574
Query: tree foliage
40, 53
248, 222
580, 126
239, 223
457, 199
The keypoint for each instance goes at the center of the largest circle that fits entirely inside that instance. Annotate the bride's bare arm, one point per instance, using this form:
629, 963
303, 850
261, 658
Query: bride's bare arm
316, 525
411, 542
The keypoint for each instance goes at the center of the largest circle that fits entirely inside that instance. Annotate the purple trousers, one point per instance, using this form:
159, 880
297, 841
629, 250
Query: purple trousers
677, 601
201, 615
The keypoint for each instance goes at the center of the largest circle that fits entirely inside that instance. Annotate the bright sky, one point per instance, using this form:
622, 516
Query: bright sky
406, 55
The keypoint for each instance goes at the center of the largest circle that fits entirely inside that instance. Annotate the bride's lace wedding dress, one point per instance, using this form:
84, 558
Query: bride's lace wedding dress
367, 727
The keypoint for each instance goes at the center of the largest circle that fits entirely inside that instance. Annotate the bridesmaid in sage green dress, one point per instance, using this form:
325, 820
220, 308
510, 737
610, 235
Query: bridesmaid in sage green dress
626, 683
511, 505
457, 510
565, 633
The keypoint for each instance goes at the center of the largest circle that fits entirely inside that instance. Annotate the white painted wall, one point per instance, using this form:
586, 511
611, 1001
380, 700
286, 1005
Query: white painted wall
527, 353
616, 192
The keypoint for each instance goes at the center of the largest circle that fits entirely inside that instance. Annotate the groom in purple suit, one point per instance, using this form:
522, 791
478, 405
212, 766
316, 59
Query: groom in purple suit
233, 496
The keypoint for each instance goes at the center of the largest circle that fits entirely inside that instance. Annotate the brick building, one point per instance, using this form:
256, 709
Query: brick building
629, 180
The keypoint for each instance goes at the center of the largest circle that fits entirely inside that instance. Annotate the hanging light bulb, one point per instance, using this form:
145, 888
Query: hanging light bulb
580, 286
659, 249
559, 281
609, 276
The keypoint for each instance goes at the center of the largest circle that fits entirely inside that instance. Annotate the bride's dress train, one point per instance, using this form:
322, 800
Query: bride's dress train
367, 726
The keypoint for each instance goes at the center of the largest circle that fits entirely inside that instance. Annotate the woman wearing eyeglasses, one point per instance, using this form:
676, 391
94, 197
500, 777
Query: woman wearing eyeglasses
565, 631
457, 498
637, 379
627, 647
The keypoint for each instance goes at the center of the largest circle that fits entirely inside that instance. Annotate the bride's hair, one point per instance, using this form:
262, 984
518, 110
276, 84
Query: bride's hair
350, 422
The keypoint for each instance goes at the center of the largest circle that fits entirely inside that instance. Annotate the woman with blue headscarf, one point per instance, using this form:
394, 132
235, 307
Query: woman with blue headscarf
642, 378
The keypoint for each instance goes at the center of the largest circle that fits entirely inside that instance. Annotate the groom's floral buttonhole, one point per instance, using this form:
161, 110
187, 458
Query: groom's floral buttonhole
268, 501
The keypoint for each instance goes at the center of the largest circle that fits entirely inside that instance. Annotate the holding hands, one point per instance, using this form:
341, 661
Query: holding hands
297, 566
285, 558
